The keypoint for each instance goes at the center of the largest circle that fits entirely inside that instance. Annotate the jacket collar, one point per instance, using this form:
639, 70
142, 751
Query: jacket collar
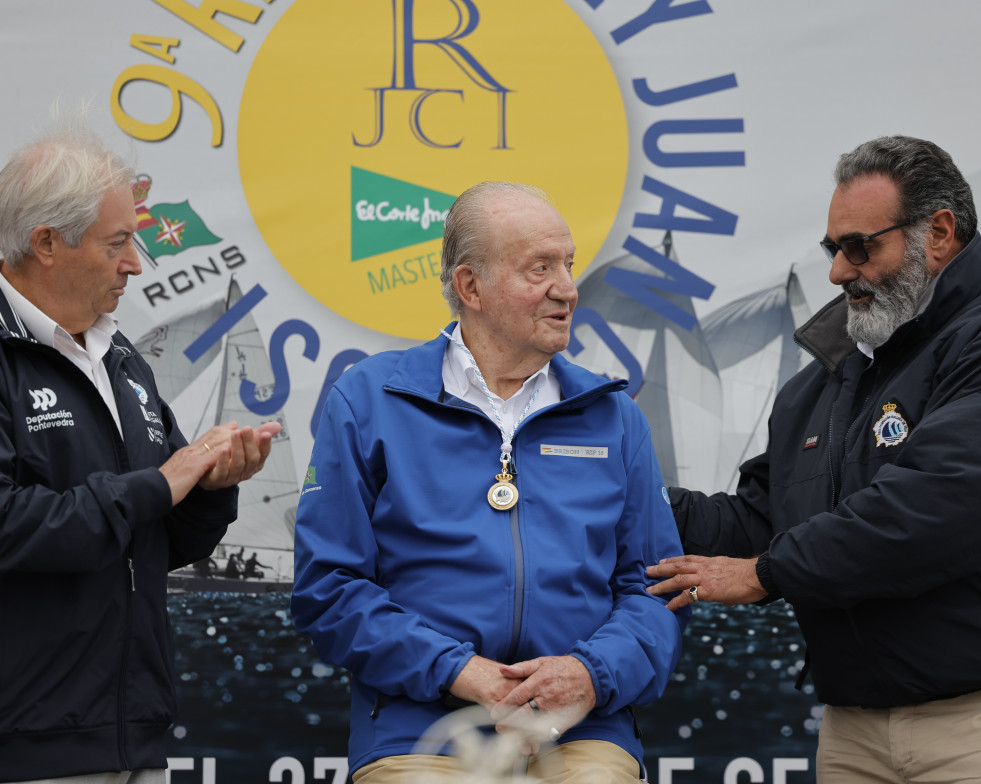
10, 323
824, 335
419, 371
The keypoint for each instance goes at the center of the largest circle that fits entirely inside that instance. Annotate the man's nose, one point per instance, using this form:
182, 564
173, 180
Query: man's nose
564, 287
130, 261
842, 270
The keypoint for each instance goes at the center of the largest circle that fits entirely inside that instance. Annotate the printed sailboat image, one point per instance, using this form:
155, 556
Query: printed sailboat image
211, 386
674, 379
706, 391
752, 343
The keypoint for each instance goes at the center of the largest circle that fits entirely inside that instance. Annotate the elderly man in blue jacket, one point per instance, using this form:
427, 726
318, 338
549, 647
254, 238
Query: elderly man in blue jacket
453, 490
862, 513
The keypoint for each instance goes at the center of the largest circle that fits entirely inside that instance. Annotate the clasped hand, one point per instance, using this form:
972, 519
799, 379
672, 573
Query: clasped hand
560, 686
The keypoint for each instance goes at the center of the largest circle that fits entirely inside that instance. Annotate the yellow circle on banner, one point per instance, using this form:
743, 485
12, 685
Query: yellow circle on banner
361, 122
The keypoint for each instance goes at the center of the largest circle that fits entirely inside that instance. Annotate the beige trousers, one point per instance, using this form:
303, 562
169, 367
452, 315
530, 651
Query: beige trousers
937, 742
576, 762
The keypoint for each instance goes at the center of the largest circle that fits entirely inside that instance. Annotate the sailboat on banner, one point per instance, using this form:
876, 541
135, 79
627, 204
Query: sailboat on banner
673, 376
256, 554
706, 391
752, 344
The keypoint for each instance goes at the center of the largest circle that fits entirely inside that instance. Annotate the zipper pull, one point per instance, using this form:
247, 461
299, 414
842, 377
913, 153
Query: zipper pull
132, 575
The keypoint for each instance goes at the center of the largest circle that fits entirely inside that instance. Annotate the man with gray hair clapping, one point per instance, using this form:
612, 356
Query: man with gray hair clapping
101, 494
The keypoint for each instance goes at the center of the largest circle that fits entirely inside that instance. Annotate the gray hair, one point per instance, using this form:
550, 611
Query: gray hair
925, 175
467, 236
57, 180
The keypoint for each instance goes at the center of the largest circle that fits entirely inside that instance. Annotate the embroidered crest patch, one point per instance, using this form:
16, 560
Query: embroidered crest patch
891, 429
140, 391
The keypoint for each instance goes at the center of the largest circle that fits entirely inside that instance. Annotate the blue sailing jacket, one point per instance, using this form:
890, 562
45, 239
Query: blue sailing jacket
404, 571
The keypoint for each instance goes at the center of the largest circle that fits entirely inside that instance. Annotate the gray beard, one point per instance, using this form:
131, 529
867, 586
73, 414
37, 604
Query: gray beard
895, 299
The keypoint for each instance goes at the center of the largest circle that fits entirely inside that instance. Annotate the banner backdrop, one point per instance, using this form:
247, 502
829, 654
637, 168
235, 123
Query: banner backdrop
296, 160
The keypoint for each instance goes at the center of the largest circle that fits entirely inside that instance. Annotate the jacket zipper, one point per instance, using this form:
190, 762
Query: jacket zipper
519, 573
519, 569
519, 559
844, 443
831, 457
121, 691
113, 368
519, 585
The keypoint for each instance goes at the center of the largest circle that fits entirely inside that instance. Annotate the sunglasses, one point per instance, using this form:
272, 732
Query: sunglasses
854, 249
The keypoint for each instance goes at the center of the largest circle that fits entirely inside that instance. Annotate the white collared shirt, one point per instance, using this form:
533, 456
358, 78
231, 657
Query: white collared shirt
460, 380
98, 339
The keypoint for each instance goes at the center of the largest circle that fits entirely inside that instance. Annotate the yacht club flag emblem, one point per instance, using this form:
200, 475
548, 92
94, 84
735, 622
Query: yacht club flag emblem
167, 229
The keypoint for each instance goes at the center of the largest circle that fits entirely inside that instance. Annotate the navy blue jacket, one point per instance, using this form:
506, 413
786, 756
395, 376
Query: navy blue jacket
87, 535
865, 505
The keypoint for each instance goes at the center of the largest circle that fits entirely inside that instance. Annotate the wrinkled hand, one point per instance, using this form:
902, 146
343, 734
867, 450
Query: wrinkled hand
718, 579
482, 681
246, 450
222, 457
561, 688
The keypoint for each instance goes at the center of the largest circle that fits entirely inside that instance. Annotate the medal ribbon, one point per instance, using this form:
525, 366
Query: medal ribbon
506, 439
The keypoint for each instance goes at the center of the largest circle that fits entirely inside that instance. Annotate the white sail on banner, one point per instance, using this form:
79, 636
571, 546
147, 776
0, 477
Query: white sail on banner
267, 501
163, 347
752, 343
680, 394
707, 392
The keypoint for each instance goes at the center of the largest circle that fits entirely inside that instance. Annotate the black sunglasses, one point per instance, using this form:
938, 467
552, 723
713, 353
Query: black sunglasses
854, 249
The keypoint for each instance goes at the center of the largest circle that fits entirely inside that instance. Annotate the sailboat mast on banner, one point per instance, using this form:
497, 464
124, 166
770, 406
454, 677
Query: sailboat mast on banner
256, 554
705, 390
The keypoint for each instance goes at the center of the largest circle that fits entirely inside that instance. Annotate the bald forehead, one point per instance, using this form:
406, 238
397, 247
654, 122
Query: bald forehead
505, 208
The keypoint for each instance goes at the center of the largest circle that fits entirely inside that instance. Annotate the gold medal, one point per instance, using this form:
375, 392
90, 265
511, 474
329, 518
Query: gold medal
503, 494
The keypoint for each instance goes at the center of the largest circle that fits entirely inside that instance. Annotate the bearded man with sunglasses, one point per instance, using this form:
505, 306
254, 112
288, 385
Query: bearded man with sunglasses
862, 513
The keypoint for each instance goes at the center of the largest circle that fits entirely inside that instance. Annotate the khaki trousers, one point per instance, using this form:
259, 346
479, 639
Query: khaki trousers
576, 762
938, 742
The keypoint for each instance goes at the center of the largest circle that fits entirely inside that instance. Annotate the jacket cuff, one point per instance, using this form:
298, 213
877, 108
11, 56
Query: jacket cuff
765, 576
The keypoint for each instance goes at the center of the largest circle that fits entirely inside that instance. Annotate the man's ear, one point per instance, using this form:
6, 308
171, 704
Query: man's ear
942, 245
465, 284
44, 240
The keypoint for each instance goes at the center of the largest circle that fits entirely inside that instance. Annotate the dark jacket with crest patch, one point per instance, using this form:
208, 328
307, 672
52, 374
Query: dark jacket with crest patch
865, 505
87, 535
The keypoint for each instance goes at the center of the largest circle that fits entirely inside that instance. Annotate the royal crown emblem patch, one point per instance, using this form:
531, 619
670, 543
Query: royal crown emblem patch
891, 429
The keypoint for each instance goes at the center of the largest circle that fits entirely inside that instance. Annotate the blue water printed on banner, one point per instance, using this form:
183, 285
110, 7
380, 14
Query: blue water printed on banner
251, 690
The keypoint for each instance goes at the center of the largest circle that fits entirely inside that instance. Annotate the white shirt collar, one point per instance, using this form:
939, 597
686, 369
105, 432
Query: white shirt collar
462, 377
45, 329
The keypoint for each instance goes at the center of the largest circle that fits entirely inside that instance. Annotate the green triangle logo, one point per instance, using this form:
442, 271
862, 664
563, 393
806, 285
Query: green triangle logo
388, 214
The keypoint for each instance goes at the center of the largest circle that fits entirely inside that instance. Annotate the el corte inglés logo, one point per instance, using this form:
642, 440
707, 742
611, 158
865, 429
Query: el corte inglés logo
393, 109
